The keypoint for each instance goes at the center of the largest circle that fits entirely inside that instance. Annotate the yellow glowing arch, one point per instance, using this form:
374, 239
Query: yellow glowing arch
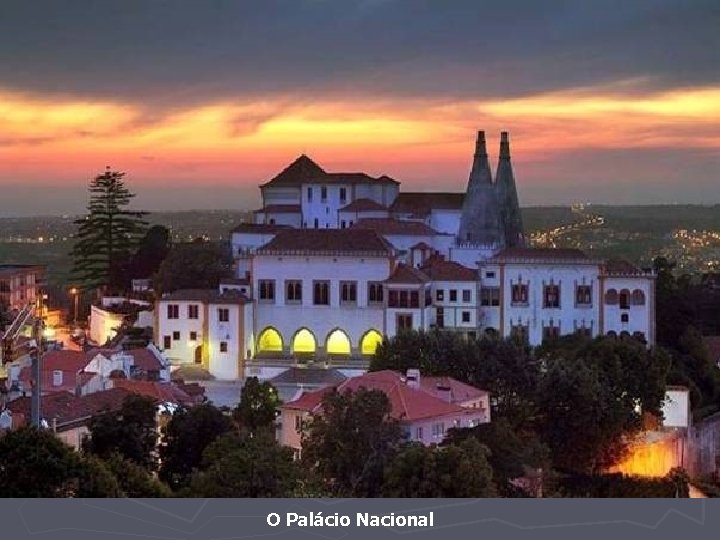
337, 342
270, 340
370, 342
304, 341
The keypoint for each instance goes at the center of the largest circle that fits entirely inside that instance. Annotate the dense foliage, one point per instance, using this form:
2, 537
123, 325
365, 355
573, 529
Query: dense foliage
258, 406
194, 265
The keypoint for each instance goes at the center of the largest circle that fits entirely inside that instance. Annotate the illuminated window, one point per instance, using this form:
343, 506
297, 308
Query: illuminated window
370, 342
270, 340
304, 342
338, 343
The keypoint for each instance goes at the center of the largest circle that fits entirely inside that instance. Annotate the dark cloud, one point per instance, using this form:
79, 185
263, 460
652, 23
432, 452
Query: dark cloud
167, 53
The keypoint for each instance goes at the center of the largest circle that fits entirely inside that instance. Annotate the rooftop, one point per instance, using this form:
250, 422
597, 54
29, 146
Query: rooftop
422, 202
621, 267
206, 296
542, 255
404, 273
300, 375
305, 170
439, 269
393, 226
363, 205
259, 228
327, 242
279, 209
407, 403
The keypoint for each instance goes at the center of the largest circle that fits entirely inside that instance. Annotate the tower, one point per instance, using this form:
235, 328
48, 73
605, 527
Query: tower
479, 221
508, 205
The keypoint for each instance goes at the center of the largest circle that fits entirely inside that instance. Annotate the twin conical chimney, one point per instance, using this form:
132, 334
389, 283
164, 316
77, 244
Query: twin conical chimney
509, 206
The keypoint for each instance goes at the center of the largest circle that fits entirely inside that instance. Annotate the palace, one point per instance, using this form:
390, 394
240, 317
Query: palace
334, 262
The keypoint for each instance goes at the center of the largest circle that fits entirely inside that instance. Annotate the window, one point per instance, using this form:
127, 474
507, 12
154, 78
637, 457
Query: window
428, 297
266, 290
323, 194
467, 295
624, 299
193, 336
173, 311
419, 433
404, 321
453, 295
438, 430
624, 318
293, 291
403, 299
272, 221
550, 332
393, 299
638, 298
167, 342
611, 297
343, 224
466, 316
440, 317
414, 299
348, 292
316, 223
343, 194
298, 423
440, 295
490, 296
583, 295
176, 336
584, 331
375, 293
490, 275
223, 314
551, 296
309, 194
520, 294
193, 310
223, 346
321, 293
519, 332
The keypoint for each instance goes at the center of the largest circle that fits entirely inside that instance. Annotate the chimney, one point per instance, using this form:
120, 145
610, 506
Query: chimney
413, 378
444, 391
504, 145
57, 377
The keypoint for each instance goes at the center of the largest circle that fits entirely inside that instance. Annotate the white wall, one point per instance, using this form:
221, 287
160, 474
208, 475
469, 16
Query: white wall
676, 409
446, 221
182, 350
103, 324
325, 211
640, 318
452, 311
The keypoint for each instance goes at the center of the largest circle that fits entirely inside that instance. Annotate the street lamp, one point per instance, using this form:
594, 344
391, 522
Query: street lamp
76, 294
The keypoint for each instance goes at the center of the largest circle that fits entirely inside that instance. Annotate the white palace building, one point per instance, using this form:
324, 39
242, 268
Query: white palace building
334, 262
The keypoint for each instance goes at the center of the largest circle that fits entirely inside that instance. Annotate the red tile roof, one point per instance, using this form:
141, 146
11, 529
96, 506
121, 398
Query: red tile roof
64, 361
363, 205
67, 409
422, 202
145, 359
393, 226
542, 255
305, 170
438, 269
279, 209
459, 391
407, 403
71, 379
404, 273
260, 228
162, 392
327, 242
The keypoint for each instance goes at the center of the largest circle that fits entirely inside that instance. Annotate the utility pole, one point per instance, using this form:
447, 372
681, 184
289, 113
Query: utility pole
37, 366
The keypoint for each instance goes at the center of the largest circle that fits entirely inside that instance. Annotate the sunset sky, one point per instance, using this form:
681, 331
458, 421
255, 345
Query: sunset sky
613, 101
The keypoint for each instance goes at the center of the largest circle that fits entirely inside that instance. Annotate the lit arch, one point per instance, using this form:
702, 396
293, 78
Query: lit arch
370, 341
304, 341
270, 340
337, 342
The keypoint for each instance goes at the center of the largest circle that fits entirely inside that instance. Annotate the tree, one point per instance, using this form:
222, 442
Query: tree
194, 265
133, 480
185, 438
453, 470
151, 252
131, 432
259, 402
674, 311
511, 454
35, 463
351, 441
592, 398
503, 367
241, 465
108, 234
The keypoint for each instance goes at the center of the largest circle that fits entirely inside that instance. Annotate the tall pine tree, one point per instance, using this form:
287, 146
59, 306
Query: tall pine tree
108, 234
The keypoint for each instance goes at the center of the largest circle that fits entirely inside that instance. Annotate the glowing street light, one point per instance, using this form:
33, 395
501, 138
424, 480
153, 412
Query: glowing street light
76, 295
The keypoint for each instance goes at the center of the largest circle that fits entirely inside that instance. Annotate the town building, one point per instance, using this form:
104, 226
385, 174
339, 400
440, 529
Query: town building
336, 262
19, 285
425, 407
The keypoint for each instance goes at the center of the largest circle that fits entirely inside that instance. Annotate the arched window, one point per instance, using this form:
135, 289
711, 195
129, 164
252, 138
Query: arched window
304, 341
638, 297
611, 297
337, 342
612, 333
270, 340
624, 299
369, 342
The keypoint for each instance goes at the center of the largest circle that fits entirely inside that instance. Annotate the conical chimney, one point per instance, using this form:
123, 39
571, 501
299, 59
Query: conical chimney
509, 206
479, 222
